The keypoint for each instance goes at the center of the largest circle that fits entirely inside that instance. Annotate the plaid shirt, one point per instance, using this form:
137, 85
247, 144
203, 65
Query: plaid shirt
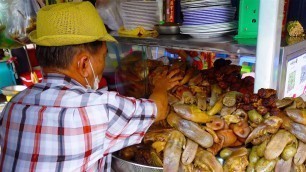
58, 125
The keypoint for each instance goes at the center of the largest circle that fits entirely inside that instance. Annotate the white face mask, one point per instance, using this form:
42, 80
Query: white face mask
96, 81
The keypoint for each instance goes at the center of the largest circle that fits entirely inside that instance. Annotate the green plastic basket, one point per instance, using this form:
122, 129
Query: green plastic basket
248, 19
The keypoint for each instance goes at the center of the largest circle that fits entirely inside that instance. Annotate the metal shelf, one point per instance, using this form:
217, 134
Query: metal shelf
221, 44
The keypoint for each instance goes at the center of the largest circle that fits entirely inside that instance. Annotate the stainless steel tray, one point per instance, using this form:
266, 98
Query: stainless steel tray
120, 165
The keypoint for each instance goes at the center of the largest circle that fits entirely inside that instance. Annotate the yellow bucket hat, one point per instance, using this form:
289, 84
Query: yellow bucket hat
69, 24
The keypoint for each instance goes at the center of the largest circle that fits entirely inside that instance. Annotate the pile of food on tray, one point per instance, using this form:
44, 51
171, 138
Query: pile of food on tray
216, 123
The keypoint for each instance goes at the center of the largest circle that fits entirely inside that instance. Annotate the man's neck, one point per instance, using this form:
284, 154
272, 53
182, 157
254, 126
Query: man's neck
73, 75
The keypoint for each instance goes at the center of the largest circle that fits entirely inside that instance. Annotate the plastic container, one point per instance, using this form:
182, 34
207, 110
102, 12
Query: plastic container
109, 13
6, 74
248, 19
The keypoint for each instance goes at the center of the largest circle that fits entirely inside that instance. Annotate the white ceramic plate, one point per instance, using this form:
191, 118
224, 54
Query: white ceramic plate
210, 34
210, 9
208, 17
204, 4
204, 30
211, 25
207, 21
199, 13
200, 1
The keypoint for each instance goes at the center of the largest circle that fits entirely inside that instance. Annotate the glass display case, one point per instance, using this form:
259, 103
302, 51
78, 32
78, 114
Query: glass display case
223, 47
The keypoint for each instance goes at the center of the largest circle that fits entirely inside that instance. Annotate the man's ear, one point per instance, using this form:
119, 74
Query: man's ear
82, 65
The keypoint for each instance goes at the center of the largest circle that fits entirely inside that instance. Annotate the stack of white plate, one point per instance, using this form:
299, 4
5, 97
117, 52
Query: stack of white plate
208, 18
139, 13
203, 3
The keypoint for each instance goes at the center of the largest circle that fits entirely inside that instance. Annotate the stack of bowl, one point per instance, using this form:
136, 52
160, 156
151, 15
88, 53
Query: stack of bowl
208, 18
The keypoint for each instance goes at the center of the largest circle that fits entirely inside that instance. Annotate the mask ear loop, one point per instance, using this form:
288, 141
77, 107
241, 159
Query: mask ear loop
92, 69
88, 85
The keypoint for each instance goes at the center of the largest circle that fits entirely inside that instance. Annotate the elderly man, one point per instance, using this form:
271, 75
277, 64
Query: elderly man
65, 123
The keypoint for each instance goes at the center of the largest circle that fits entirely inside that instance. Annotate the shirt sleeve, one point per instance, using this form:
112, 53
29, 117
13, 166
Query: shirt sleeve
129, 119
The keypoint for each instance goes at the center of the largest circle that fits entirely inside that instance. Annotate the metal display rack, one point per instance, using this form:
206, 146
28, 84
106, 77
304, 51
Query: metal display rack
270, 54
219, 44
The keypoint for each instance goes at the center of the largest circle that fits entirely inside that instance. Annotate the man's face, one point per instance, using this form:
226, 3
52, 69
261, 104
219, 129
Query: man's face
98, 61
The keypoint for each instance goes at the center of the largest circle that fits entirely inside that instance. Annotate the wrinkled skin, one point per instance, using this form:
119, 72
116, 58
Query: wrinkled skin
215, 92
297, 129
185, 95
283, 166
237, 161
186, 168
227, 111
297, 115
270, 125
277, 144
156, 160
229, 99
253, 157
264, 165
284, 102
261, 139
201, 101
192, 113
300, 156
298, 168
207, 161
189, 152
157, 135
173, 151
191, 130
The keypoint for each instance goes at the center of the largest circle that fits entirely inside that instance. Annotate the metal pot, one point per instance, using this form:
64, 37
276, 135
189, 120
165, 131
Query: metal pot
120, 165
167, 30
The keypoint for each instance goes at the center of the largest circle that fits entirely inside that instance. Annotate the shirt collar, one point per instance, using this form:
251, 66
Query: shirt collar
56, 78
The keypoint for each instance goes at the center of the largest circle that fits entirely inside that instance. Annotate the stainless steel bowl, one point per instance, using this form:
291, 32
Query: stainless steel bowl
120, 165
167, 30
12, 90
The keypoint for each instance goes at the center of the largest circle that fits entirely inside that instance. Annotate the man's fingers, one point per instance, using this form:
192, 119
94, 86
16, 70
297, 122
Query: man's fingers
177, 78
173, 85
172, 73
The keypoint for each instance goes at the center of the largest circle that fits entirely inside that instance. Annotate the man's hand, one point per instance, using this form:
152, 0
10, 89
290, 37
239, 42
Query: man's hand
166, 80
162, 82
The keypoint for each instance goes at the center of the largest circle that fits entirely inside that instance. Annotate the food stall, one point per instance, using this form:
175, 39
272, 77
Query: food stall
219, 120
